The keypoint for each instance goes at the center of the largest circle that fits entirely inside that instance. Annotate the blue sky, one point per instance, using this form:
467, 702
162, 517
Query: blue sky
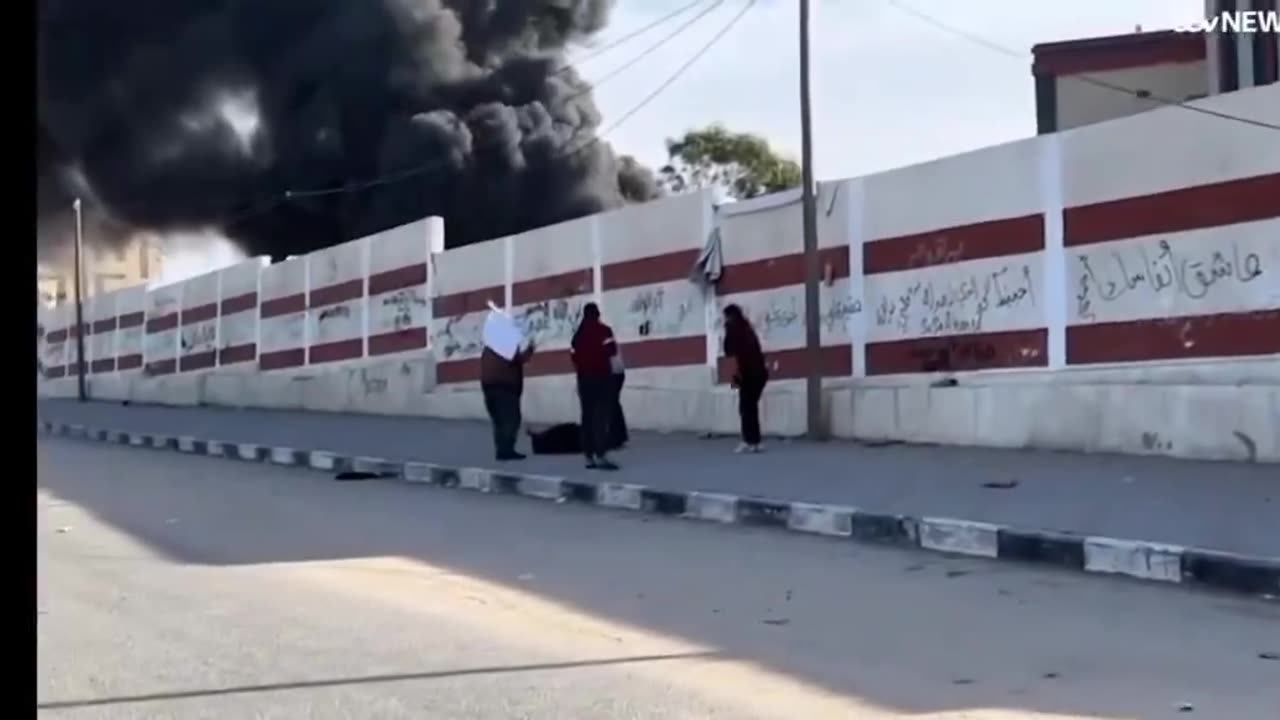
889, 90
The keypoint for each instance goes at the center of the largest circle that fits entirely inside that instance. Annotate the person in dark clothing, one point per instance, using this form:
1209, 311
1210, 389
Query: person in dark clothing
749, 373
593, 348
502, 382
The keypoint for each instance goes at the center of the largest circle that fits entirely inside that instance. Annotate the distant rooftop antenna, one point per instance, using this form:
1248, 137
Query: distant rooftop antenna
1137, 28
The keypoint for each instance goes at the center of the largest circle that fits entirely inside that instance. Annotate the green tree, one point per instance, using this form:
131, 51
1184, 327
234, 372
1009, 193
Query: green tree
742, 164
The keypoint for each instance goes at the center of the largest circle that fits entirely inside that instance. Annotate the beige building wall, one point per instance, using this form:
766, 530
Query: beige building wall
105, 270
1087, 101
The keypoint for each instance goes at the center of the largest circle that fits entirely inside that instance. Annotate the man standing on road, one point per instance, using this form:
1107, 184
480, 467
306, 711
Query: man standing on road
593, 350
502, 382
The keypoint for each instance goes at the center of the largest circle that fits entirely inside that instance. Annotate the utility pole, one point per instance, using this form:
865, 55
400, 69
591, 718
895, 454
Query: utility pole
78, 287
812, 317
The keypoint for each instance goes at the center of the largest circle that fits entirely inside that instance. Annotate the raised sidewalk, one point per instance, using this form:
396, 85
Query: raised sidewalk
1157, 518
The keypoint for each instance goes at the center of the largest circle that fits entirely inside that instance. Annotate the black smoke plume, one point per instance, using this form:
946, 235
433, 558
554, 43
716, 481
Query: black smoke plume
197, 114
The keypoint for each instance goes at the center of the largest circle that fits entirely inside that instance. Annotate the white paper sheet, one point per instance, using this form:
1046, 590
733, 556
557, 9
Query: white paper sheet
501, 334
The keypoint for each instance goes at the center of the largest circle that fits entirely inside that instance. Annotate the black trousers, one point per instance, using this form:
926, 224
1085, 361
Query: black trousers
502, 402
749, 391
618, 435
596, 398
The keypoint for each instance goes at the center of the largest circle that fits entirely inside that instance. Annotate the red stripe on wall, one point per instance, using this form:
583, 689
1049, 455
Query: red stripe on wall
1200, 336
402, 277
104, 326
237, 354
103, 366
781, 271
286, 305
458, 371
162, 323
239, 303
398, 341
335, 351
551, 287
994, 238
200, 313
162, 367
133, 319
833, 361
665, 352
338, 293
1193, 208
1118, 52
129, 362
647, 271
956, 353
280, 359
198, 361
468, 302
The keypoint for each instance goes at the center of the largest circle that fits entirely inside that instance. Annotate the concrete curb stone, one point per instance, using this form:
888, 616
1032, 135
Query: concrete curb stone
1157, 562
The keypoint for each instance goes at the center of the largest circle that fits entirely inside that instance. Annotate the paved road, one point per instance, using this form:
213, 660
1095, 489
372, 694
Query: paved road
187, 587
1221, 506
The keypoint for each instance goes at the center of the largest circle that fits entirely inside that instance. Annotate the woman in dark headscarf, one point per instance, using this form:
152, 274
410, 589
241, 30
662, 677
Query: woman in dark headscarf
593, 348
749, 373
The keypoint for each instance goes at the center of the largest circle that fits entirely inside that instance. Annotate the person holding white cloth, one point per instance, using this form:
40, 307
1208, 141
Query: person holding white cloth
502, 380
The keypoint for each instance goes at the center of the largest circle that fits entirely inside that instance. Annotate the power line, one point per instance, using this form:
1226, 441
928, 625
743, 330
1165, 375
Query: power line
653, 48
1140, 94
436, 165
637, 32
272, 203
685, 67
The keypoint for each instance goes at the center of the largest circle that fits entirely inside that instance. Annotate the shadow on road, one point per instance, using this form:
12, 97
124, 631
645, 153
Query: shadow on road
904, 630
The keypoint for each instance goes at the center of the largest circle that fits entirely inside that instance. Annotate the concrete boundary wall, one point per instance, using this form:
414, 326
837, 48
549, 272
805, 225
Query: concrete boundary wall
1111, 288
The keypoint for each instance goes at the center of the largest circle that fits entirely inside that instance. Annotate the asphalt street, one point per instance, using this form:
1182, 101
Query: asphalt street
172, 586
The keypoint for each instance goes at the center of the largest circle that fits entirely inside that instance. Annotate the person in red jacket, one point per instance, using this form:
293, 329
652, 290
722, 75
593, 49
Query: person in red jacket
593, 348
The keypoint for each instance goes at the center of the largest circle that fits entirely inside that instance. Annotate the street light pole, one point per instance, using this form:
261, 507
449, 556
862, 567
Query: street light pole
812, 317
78, 287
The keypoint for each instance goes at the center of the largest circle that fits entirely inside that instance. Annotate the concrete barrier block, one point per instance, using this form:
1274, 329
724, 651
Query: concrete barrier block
455, 404
274, 390
960, 536
391, 387
951, 415
1000, 413
821, 519
226, 389
111, 387
624, 496
59, 388
843, 422
1148, 561
325, 390
1068, 417
911, 410
1221, 422
711, 506
177, 390
783, 411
